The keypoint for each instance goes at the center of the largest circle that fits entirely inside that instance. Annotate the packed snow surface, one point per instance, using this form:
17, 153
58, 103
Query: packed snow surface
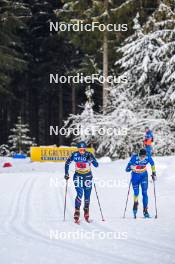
32, 229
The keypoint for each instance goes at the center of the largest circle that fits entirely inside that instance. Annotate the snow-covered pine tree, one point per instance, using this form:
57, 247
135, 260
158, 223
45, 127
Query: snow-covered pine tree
124, 126
162, 23
4, 150
146, 59
138, 103
120, 131
19, 140
82, 126
97, 44
148, 56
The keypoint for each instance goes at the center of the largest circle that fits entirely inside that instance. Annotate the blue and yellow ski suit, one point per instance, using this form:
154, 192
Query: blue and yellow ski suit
139, 176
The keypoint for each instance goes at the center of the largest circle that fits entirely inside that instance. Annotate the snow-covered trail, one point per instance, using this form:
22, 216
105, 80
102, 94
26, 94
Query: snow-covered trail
31, 217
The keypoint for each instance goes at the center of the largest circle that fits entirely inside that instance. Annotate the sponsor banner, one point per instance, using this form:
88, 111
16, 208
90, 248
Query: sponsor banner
53, 154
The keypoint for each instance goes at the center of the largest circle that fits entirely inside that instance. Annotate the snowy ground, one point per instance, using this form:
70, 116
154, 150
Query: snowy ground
31, 217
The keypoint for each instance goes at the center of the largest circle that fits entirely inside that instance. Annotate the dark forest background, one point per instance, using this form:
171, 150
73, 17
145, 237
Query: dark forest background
29, 52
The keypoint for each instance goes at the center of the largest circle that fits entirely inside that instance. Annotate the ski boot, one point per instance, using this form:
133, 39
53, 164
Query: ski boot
135, 207
86, 214
77, 215
145, 213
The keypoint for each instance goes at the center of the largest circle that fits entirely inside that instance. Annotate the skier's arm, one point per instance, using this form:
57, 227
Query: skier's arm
67, 164
153, 168
130, 165
92, 160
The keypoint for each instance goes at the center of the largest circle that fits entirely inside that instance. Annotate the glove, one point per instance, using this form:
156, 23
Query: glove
154, 178
88, 158
66, 177
132, 167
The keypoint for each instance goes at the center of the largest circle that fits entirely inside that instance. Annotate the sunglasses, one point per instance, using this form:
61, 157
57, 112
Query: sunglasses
82, 149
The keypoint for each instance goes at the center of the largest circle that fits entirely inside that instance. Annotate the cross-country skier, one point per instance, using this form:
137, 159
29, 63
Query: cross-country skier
148, 140
82, 178
139, 176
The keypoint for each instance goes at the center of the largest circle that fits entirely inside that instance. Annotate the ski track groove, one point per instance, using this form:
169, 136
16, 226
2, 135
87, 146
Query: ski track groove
19, 225
138, 243
26, 231
15, 205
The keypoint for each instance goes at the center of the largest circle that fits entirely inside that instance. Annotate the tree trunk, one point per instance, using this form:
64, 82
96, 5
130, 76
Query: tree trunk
73, 100
60, 114
105, 62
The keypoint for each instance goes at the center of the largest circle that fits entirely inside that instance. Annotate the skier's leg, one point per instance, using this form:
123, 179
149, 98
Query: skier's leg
79, 190
144, 186
78, 198
87, 194
135, 184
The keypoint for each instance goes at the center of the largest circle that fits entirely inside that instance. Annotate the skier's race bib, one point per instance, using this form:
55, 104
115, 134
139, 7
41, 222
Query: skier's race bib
140, 168
82, 167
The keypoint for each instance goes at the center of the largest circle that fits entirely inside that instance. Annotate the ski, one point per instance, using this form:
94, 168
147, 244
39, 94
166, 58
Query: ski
88, 220
147, 217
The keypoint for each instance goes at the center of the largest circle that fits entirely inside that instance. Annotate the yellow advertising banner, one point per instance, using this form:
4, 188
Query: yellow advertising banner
53, 154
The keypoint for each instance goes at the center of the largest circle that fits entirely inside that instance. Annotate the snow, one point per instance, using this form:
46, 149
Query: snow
122, 5
105, 160
31, 217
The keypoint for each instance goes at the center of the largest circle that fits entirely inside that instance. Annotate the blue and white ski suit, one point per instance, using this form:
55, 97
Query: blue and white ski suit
83, 175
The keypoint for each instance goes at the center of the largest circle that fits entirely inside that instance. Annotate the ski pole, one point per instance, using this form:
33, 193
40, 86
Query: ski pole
65, 200
127, 199
155, 199
102, 218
